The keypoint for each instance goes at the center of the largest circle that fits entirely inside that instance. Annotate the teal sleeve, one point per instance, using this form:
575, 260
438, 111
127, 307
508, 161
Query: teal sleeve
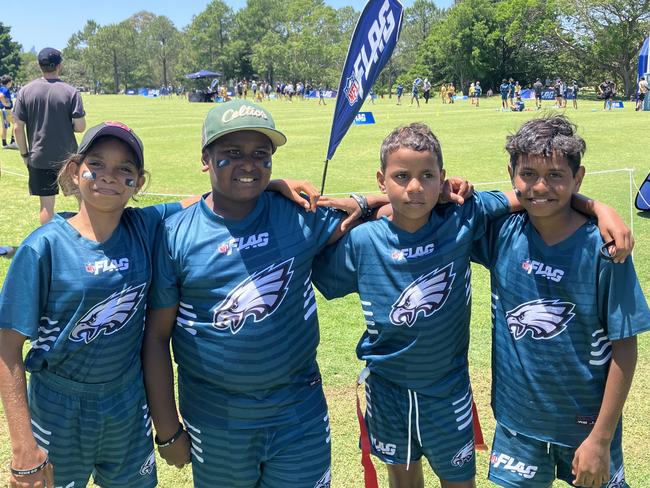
153, 217
334, 270
489, 212
25, 291
325, 223
164, 291
621, 304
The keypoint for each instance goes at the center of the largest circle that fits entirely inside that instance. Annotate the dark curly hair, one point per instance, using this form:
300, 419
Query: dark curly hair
546, 136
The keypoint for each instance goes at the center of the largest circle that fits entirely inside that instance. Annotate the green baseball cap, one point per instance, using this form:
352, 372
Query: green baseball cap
238, 115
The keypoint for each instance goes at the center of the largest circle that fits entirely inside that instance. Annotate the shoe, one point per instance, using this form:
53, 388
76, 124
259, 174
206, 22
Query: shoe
13, 145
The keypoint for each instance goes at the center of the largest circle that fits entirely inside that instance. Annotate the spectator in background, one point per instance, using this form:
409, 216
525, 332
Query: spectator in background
426, 88
400, 90
538, 86
477, 93
451, 92
606, 91
643, 92
415, 91
47, 113
443, 93
511, 93
559, 93
504, 89
6, 104
471, 93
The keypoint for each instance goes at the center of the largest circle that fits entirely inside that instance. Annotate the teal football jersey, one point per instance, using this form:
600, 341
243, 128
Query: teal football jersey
415, 291
556, 310
82, 303
246, 330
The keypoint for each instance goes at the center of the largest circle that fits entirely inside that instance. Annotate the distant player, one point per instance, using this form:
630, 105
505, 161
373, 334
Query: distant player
565, 320
504, 90
643, 92
6, 104
415, 91
400, 90
478, 91
538, 86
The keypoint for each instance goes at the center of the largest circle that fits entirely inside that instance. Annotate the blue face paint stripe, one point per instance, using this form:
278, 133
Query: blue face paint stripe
267, 164
89, 175
130, 182
222, 163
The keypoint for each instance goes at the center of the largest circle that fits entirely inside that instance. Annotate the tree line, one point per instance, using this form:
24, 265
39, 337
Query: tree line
306, 40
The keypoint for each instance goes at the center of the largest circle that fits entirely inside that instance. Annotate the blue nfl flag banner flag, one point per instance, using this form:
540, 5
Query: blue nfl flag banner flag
643, 196
370, 49
644, 59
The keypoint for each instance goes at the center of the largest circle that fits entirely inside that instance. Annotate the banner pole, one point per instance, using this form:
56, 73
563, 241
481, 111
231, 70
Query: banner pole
322, 185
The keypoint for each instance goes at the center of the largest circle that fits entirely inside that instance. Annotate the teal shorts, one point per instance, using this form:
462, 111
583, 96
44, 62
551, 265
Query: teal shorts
103, 430
288, 456
519, 461
404, 426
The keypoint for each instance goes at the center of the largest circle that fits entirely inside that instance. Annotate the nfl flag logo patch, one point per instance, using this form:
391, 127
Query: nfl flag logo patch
352, 90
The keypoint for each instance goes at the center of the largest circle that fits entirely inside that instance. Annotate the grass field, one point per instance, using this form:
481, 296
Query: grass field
472, 141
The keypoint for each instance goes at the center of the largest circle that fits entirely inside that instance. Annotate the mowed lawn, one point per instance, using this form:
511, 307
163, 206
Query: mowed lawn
472, 141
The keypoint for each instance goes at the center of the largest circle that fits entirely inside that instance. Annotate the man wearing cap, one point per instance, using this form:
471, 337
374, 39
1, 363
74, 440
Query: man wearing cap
232, 290
47, 113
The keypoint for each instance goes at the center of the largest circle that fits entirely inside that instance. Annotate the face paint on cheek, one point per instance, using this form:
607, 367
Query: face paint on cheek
89, 175
130, 182
222, 163
267, 164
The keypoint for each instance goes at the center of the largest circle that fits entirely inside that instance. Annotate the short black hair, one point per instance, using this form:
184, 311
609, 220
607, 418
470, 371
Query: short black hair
416, 136
547, 136
6, 79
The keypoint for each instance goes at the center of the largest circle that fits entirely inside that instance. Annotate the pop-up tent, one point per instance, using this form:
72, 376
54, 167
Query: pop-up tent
643, 197
204, 73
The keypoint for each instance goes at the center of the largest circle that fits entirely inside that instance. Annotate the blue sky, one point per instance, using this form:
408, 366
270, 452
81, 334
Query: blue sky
42, 23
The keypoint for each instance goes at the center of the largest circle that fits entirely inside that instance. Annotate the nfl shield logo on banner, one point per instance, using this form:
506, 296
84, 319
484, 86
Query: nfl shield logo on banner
352, 90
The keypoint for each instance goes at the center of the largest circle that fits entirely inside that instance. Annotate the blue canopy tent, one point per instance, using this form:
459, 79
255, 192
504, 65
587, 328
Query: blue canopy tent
203, 95
643, 197
204, 73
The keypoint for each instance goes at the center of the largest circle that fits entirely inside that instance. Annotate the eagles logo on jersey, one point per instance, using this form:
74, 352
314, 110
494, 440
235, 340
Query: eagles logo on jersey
109, 315
543, 318
325, 480
464, 455
149, 465
258, 296
425, 295
618, 480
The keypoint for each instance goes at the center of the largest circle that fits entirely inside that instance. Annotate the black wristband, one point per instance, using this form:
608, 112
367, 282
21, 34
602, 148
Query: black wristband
26, 472
172, 439
362, 201
26, 155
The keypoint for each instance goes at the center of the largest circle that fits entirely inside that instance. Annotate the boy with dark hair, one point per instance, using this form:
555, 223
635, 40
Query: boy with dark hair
232, 290
413, 277
565, 320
